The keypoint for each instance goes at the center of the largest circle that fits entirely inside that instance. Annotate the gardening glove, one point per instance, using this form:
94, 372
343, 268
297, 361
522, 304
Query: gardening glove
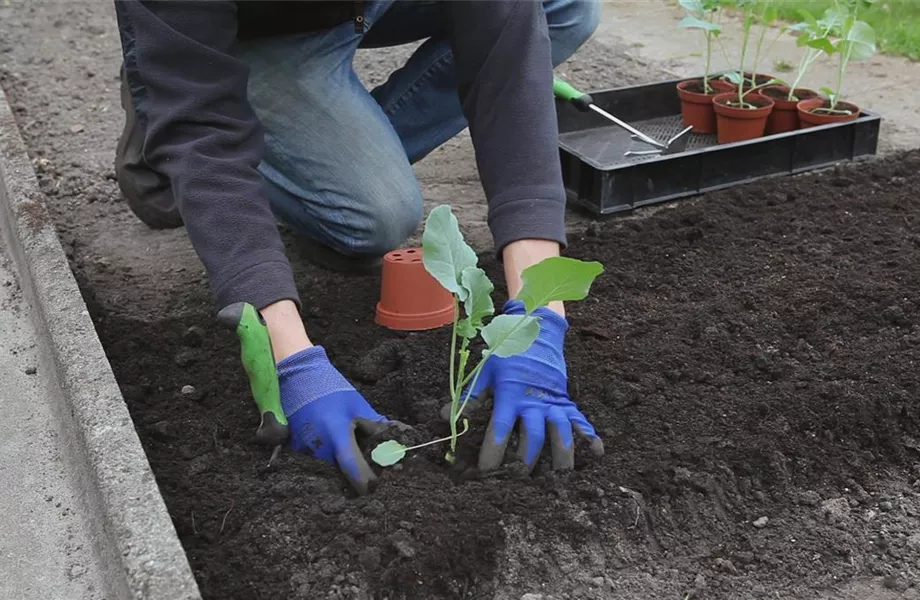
533, 387
324, 410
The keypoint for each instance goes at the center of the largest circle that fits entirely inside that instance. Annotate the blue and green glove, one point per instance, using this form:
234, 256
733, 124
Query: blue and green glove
532, 387
324, 410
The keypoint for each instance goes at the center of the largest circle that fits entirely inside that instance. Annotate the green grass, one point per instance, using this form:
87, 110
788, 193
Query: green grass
896, 22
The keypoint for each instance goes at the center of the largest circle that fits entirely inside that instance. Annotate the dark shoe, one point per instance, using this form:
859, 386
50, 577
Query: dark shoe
148, 193
325, 257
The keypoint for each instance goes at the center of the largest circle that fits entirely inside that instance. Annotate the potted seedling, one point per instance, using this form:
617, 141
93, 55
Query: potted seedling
696, 94
453, 264
763, 14
854, 41
742, 114
812, 37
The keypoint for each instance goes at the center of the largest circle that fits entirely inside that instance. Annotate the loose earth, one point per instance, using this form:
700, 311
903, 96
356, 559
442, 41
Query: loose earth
749, 359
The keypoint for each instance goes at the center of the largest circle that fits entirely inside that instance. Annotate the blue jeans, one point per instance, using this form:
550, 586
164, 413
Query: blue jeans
338, 157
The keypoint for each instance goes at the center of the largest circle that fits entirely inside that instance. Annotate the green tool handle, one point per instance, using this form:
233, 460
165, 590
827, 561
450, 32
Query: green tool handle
567, 92
259, 363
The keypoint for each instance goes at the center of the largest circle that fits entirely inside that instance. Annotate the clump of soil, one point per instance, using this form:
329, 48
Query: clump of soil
749, 359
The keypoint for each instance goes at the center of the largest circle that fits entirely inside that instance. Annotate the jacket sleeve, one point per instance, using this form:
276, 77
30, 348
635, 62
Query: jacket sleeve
505, 77
202, 133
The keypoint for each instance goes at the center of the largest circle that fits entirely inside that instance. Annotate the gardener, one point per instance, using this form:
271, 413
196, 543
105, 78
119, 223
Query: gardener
241, 112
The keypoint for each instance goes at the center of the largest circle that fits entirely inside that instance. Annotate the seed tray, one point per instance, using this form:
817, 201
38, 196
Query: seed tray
599, 178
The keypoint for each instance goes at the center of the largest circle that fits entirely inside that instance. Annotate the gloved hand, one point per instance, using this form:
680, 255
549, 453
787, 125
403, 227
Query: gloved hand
533, 387
324, 410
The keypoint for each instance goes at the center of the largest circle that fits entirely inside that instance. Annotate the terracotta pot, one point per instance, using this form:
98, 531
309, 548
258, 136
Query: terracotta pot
809, 119
410, 298
696, 106
785, 114
737, 124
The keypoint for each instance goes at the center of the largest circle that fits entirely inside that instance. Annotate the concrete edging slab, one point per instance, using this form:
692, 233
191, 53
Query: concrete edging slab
132, 531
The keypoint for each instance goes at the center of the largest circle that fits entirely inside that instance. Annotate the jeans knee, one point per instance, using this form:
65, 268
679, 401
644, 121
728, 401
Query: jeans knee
571, 24
391, 213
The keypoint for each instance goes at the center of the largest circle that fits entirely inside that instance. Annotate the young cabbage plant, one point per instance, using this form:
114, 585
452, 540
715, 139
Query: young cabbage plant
701, 15
454, 265
813, 36
767, 16
764, 13
854, 41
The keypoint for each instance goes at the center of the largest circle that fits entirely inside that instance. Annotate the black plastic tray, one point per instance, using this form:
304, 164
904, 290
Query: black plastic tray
601, 180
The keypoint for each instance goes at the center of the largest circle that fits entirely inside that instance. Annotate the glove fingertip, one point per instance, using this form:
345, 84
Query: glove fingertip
597, 447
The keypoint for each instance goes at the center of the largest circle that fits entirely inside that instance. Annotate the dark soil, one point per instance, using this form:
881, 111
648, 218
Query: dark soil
749, 358
824, 109
782, 93
751, 102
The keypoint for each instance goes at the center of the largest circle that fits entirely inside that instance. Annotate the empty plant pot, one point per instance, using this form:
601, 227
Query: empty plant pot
809, 118
410, 298
785, 114
736, 123
696, 105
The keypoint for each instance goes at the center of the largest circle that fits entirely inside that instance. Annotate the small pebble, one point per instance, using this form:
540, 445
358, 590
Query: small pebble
885, 506
809, 498
76, 128
190, 393
403, 546
31, 370
761, 522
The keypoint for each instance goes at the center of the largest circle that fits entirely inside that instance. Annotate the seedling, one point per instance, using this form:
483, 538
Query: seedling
453, 264
813, 35
763, 12
853, 40
701, 15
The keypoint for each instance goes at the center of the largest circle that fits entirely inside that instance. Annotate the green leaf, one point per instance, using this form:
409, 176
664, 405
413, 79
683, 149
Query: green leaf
860, 40
444, 252
478, 303
823, 44
388, 453
507, 335
831, 94
769, 15
693, 6
557, 278
691, 22
733, 77
465, 329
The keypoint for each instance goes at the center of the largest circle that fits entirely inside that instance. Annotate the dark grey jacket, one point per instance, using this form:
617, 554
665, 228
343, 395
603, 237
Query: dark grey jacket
203, 134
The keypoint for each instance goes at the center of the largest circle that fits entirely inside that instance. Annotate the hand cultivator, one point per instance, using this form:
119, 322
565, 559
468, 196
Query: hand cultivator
583, 102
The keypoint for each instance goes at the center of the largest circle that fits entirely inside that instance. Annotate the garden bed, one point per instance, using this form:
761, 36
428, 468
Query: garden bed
750, 362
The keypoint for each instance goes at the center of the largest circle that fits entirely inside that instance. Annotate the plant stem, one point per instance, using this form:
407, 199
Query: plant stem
453, 343
474, 374
708, 61
744, 44
844, 59
466, 427
455, 407
763, 34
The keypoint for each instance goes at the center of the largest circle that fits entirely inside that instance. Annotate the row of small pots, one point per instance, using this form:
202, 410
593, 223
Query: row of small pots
769, 111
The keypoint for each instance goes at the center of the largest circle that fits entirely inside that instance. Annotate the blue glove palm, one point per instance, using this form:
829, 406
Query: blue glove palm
324, 410
533, 387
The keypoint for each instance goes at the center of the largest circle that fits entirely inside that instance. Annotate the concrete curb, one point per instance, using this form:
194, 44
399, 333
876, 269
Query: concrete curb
133, 533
